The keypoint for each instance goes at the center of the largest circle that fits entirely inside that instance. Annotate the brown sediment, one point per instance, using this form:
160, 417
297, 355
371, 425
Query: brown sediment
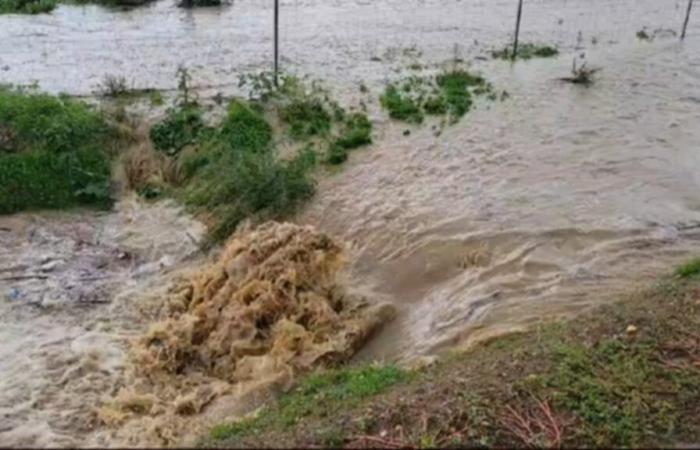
269, 308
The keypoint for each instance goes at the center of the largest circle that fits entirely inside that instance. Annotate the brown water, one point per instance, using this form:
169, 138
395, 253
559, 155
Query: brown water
552, 201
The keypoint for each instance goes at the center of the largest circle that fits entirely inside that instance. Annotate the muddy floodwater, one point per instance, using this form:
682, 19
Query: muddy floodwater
554, 200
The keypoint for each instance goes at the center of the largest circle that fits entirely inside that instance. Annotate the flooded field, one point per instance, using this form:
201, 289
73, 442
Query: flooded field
542, 205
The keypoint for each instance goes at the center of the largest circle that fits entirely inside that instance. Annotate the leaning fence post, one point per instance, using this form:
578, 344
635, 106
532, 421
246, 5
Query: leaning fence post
277, 41
517, 28
687, 17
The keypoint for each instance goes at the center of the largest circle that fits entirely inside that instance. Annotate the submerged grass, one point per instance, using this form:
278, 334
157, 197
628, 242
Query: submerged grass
53, 153
624, 375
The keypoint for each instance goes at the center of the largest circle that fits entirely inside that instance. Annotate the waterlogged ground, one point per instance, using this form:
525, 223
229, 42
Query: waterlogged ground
545, 204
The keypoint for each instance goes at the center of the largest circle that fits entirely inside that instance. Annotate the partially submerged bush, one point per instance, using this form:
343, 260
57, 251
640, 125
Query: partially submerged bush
449, 93
527, 51
52, 153
401, 106
27, 6
581, 74
180, 128
356, 132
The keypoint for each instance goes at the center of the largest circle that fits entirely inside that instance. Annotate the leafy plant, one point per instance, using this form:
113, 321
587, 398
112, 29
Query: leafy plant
180, 128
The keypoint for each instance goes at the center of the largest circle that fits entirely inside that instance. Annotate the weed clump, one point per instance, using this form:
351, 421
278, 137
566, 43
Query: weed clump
526, 51
401, 106
52, 153
27, 6
689, 269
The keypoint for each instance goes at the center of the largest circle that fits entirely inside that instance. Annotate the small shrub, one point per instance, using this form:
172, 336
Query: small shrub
27, 6
306, 118
401, 106
179, 129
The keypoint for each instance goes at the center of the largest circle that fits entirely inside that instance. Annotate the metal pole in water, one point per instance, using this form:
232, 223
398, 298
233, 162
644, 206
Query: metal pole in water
517, 28
277, 41
687, 17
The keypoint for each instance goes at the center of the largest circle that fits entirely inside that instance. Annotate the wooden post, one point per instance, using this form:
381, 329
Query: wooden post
517, 29
687, 17
277, 41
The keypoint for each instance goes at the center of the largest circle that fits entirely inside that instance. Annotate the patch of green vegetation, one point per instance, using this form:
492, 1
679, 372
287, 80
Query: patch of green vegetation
52, 153
356, 132
401, 106
234, 173
306, 118
320, 394
180, 128
689, 269
27, 6
527, 51
245, 128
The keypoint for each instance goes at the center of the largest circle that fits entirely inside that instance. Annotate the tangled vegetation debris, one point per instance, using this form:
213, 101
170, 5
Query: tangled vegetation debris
268, 309
53, 153
526, 51
581, 74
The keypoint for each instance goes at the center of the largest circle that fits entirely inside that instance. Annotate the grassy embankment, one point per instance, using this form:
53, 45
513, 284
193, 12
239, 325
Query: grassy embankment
54, 153
233, 170
626, 374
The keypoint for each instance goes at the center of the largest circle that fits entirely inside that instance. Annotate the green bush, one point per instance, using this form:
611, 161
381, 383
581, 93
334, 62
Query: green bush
306, 118
52, 153
179, 129
27, 6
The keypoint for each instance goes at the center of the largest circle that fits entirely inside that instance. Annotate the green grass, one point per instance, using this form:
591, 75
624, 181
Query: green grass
689, 269
527, 51
246, 129
321, 395
180, 128
27, 6
53, 153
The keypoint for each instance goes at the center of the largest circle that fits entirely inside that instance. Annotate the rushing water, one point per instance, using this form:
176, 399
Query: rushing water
554, 200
